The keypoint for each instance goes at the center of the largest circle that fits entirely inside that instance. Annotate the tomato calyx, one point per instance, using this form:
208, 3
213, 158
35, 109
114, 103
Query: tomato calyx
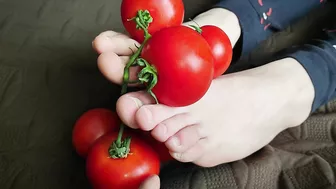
142, 20
120, 148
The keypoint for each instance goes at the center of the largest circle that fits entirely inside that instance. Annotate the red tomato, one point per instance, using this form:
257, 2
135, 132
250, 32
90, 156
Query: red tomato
92, 125
221, 48
104, 172
184, 64
165, 13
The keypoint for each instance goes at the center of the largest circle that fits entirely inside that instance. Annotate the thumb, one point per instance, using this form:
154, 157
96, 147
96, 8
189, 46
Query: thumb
152, 182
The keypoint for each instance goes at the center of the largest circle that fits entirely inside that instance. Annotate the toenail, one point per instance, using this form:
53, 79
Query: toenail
177, 156
175, 141
164, 129
137, 102
148, 114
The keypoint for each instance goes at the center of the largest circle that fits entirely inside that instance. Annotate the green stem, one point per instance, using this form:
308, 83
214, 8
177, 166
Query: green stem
130, 64
120, 148
148, 75
120, 134
197, 28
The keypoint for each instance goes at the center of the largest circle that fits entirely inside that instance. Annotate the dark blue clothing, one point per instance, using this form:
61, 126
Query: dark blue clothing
260, 18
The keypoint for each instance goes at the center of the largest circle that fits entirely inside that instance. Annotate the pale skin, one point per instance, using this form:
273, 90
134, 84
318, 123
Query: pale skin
241, 112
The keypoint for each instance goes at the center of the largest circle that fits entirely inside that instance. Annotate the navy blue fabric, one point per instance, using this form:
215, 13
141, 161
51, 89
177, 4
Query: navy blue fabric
260, 18
252, 30
281, 13
319, 60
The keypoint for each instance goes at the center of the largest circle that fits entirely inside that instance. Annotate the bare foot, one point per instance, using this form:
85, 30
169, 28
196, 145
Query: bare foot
151, 183
240, 114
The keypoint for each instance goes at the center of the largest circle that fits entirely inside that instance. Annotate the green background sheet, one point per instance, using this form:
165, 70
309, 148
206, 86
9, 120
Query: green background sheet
49, 77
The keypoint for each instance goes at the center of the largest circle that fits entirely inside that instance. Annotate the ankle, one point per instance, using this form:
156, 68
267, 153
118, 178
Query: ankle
295, 88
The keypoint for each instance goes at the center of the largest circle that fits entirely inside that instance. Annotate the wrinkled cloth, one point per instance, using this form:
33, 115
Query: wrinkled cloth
49, 77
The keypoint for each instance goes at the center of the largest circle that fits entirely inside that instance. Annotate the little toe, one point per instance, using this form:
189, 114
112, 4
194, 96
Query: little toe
192, 154
184, 139
129, 104
151, 115
169, 127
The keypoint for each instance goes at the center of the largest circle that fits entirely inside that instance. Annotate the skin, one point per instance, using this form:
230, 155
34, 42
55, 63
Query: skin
240, 113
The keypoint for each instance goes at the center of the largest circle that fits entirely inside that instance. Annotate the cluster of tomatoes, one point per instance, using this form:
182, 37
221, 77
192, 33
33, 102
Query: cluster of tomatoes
178, 64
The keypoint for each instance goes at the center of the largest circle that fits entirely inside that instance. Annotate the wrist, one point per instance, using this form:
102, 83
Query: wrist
222, 18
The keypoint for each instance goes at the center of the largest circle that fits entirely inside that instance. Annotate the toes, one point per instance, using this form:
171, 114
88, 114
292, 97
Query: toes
118, 43
149, 116
208, 160
184, 139
129, 104
152, 182
112, 67
167, 128
191, 154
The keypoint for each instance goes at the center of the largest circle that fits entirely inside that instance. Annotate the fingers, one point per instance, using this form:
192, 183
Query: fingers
112, 67
152, 182
118, 43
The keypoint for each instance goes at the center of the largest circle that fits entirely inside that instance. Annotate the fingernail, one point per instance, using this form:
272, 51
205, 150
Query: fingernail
137, 102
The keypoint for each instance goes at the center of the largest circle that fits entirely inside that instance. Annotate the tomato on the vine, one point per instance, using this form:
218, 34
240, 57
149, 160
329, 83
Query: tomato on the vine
105, 172
90, 126
165, 13
221, 48
181, 65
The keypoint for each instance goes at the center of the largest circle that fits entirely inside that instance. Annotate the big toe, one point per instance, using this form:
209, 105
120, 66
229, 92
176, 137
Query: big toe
129, 104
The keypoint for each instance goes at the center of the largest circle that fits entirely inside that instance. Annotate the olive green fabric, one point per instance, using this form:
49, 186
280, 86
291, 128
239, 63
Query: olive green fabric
49, 76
